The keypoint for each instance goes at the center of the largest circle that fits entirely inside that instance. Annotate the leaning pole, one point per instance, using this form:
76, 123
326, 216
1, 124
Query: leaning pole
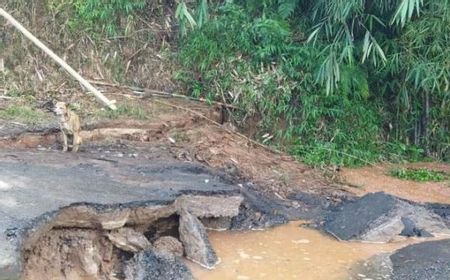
58, 60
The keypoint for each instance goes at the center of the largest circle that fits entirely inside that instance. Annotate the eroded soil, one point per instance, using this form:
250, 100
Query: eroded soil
375, 179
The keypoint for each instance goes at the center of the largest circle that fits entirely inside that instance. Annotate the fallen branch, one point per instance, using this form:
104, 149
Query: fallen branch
145, 92
219, 125
58, 60
352, 156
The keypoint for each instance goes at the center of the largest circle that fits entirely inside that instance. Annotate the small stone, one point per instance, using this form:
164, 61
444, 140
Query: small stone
129, 240
243, 255
199, 158
301, 241
120, 155
169, 244
156, 265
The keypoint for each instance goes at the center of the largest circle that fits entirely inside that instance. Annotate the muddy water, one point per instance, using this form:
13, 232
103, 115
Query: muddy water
286, 252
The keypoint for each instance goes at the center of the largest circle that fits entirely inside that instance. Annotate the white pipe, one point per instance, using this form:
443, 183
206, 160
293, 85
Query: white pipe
58, 60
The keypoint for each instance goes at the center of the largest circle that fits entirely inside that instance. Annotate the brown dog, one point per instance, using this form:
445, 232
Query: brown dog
69, 122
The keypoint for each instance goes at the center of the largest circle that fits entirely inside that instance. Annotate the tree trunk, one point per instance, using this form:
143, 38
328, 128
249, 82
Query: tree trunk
425, 122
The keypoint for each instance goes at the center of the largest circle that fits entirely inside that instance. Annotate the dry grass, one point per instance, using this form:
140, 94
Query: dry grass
141, 56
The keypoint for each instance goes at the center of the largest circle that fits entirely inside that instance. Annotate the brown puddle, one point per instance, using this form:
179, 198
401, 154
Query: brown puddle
286, 252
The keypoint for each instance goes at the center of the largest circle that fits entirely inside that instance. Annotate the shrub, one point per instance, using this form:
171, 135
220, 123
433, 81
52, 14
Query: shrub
346, 82
419, 175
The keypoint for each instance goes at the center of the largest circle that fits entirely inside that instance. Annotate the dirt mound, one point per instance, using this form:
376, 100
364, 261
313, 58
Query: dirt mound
380, 217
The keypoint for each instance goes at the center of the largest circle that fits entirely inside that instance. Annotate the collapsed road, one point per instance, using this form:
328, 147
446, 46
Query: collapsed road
115, 213
42, 193
119, 215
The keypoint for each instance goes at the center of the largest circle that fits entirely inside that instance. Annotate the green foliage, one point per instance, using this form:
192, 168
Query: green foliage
254, 63
184, 16
104, 15
23, 113
419, 175
342, 82
397, 151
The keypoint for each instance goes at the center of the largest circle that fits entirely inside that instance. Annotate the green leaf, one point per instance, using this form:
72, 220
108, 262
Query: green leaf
405, 11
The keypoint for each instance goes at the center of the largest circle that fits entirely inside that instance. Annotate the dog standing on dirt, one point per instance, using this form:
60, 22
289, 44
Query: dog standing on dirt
69, 123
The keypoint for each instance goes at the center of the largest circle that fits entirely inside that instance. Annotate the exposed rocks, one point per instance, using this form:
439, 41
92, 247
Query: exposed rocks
195, 241
129, 240
127, 227
380, 217
156, 265
88, 252
169, 244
